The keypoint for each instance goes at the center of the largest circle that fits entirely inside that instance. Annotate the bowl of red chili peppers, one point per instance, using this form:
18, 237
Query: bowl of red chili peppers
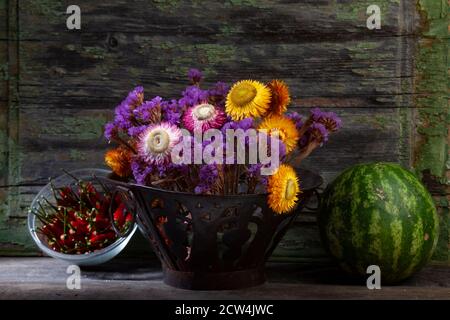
72, 218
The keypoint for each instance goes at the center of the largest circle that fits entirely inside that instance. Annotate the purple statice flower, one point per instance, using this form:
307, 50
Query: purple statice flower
243, 124
208, 175
193, 96
136, 131
165, 169
218, 94
316, 114
264, 180
195, 76
204, 143
297, 118
124, 117
254, 170
110, 130
199, 189
220, 89
141, 171
149, 111
172, 112
281, 145
318, 132
135, 97
329, 119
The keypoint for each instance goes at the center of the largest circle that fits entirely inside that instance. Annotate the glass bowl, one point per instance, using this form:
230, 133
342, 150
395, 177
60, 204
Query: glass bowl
87, 259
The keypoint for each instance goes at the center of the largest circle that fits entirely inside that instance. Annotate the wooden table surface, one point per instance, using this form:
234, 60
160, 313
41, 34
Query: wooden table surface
45, 278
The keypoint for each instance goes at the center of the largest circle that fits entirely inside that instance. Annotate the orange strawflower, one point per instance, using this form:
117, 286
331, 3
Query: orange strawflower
119, 160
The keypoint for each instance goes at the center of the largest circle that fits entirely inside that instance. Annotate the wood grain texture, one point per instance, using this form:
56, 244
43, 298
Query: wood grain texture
70, 80
43, 278
432, 137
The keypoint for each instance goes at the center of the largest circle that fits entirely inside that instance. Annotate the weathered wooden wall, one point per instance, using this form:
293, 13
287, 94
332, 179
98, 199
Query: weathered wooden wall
59, 86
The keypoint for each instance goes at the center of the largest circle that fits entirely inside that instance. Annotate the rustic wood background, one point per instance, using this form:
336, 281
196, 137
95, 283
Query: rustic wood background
58, 86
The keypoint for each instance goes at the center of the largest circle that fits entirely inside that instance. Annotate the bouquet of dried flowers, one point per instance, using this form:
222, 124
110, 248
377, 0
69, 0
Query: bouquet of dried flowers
153, 135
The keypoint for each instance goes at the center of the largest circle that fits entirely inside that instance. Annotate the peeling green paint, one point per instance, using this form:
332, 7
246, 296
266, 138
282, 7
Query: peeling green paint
77, 155
245, 3
167, 5
80, 127
357, 9
208, 55
22, 243
405, 134
433, 110
229, 29
3, 152
52, 9
432, 87
95, 52
369, 50
380, 122
135, 72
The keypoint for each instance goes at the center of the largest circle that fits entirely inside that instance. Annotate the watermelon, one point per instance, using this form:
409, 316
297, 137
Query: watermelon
379, 214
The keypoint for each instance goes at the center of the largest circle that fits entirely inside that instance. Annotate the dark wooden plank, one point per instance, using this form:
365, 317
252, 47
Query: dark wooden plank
364, 73
3, 53
43, 278
240, 21
3, 20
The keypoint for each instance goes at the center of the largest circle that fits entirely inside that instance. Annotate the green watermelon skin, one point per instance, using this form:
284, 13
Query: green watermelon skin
379, 214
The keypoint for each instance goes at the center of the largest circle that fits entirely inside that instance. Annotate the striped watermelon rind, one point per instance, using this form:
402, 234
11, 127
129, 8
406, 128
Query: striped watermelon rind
379, 214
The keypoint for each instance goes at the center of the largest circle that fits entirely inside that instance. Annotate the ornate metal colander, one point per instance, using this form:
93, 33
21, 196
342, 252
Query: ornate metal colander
212, 242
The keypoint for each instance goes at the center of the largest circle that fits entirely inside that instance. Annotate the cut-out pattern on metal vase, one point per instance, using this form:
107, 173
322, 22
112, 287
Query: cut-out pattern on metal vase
213, 241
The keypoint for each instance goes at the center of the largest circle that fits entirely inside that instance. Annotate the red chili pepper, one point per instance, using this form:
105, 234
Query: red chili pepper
90, 193
81, 226
104, 208
46, 230
98, 238
56, 228
119, 217
101, 222
67, 240
66, 198
128, 221
129, 218
80, 222
71, 214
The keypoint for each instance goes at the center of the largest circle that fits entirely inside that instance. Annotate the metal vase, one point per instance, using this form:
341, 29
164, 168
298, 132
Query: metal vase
212, 242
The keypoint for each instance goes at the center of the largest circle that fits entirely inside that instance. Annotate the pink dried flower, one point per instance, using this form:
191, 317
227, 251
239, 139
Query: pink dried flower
203, 116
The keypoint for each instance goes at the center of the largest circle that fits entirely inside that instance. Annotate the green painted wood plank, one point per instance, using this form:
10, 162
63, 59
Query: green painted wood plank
432, 144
